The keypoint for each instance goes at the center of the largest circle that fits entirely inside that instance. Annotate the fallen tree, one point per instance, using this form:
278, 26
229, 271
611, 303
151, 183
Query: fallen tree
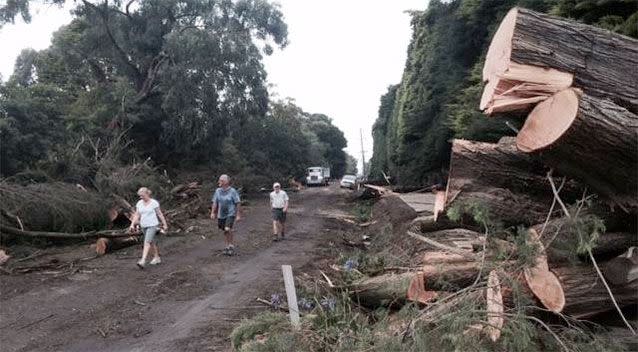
533, 56
63, 235
391, 290
590, 139
586, 295
512, 186
105, 245
55, 207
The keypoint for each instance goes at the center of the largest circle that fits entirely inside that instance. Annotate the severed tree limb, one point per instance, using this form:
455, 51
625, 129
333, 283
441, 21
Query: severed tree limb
63, 235
442, 246
591, 256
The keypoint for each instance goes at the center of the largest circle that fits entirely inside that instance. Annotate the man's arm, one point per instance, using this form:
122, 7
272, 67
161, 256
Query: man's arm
286, 203
213, 207
237, 206
213, 210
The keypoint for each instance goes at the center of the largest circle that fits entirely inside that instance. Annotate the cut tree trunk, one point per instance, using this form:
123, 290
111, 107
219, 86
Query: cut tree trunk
533, 55
441, 257
392, 290
585, 293
622, 269
561, 240
590, 139
105, 245
512, 186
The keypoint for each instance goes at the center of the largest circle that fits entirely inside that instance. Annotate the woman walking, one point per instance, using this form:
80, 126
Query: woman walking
148, 215
226, 210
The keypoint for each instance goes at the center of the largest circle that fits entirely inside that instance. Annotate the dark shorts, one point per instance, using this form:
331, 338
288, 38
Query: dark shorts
278, 214
226, 222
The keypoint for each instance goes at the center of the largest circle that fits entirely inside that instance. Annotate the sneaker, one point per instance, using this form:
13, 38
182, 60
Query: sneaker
275, 238
141, 264
156, 261
231, 250
226, 251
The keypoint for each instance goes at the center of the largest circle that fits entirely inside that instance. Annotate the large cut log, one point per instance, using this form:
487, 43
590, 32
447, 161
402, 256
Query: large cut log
592, 140
512, 186
560, 236
622, 269
533, 55
392, 290
105, 245
586, 295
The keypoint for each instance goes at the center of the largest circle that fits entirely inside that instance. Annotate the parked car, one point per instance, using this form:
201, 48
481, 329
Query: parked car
348, 181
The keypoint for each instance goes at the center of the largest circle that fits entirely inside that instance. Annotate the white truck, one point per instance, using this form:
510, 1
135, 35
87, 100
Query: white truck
317, 175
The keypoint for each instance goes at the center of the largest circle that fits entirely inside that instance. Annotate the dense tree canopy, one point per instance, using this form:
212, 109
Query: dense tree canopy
438, 96
182, 79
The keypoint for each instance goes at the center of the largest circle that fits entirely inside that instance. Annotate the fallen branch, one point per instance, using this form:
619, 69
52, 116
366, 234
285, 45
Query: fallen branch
62, 235
441, 246
591, 256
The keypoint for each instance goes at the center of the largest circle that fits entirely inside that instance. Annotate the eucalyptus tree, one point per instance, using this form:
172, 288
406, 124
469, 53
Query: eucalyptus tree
180, 74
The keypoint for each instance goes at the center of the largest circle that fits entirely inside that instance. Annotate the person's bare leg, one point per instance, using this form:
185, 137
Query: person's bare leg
147, 246
155, 248
274, 227
228, 236
282, 224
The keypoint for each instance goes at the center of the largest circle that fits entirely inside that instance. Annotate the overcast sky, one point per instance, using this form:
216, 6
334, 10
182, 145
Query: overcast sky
342, 56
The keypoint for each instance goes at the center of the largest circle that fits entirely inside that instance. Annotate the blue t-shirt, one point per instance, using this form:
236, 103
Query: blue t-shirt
226, 201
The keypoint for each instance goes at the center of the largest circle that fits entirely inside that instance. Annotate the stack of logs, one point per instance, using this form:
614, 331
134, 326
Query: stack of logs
579, 86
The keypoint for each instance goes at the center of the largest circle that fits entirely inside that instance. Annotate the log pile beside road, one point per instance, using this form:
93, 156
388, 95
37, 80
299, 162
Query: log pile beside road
551, 213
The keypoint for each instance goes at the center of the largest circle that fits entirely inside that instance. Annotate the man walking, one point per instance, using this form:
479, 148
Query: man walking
279, 205
226, 210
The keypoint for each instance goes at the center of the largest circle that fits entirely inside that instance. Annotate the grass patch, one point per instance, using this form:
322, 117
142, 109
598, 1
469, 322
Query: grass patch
363, 211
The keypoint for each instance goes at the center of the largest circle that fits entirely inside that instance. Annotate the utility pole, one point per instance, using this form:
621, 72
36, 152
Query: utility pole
363, 155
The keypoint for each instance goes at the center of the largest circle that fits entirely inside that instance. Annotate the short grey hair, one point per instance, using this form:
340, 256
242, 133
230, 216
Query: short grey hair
276, 184
224, 177
144, 190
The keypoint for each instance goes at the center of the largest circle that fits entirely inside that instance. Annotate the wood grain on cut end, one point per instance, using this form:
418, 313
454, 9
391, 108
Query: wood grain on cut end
495, 309
500, 50
548, 121
546, 287
417, 292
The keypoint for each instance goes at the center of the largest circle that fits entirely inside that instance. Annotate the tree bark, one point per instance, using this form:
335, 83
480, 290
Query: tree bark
585, 294
622, 269
560, 238
391, 290
512, 186
590, 139
601, 62
105, 245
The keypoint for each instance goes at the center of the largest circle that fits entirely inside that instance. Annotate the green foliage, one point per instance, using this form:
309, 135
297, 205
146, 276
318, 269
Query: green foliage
259, 324
439, 93
476, 210
182, 79
379, 160
363, 211
616, 15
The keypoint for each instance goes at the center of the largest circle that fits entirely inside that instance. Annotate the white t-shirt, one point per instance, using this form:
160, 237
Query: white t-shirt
278, 200
148, 215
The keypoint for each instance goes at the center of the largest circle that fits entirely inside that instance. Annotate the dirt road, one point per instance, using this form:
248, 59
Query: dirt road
188, 303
